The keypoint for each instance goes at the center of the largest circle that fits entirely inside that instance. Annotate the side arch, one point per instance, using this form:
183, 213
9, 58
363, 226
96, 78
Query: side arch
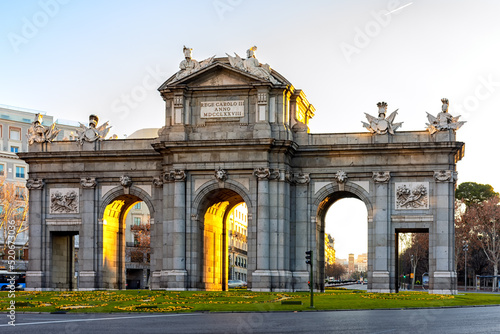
119, 191
322, 201
331, 193
203, 199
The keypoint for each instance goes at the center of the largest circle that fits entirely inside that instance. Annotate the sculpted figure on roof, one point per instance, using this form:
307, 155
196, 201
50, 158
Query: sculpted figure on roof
38, 133
190, 65
382, 125
444, 121
252, 65
92, 132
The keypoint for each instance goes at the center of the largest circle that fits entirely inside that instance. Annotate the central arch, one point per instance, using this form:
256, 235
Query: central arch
325, 198
212, 207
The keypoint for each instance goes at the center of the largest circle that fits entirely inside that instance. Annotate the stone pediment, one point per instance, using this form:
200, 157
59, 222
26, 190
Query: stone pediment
219, 73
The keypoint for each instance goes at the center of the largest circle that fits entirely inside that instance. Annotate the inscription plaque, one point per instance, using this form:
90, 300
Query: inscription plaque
217, 109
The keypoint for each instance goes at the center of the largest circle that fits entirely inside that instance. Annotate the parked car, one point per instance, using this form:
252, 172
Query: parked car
231, 284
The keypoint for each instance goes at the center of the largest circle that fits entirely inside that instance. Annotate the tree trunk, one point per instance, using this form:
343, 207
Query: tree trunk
495, 279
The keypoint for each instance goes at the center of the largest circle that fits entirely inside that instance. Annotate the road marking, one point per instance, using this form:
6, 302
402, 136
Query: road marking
96, 319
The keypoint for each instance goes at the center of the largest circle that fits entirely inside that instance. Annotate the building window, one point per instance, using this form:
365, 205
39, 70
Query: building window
15, 133
137, 220
137, 206
20, 193
2, 170
20, 172
1, 131
14, 149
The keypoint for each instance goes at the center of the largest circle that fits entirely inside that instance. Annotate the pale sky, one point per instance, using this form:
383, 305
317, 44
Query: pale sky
71, 58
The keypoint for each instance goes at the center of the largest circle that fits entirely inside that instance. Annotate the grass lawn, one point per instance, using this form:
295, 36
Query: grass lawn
227, 301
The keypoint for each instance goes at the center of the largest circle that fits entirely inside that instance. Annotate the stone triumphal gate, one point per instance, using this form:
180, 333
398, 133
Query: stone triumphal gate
237, 131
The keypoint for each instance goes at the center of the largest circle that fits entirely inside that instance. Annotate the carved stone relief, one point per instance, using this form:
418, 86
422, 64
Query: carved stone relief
64, 200
412, 195
220, 174
381, 176
340, 176
125, 181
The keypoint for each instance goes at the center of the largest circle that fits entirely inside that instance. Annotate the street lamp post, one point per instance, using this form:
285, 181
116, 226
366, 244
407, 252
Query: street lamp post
466, 248
413, 274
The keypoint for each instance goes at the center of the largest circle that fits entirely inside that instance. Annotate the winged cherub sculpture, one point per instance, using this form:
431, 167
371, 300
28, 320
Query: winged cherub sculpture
382, 125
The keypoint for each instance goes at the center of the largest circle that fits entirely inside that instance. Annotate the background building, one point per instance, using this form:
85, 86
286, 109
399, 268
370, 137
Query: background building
14, 125
238, 225
138, 250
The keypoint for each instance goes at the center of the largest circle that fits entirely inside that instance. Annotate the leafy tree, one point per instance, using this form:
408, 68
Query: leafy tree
13, 213
472, 193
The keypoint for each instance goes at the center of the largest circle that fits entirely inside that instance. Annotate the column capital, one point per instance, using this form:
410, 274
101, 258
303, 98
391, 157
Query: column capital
381, 176
445, 176
157, 181
263, 173
174, 175
88, 182
34, 184
301, 178
178, 175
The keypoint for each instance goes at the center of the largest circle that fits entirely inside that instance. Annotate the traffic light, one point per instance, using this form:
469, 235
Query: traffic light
308, 257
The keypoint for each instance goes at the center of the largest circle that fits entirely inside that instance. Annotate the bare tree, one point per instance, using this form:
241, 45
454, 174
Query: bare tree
335, 270
142, 248
13, 213
484, 222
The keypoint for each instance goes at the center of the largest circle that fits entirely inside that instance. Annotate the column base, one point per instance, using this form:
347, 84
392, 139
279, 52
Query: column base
443, 283
300, 279
173, 280
34, 280
87, 280
271, 280
379, 282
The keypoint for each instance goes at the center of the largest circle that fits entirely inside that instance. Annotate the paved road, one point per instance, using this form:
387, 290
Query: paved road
445, 320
